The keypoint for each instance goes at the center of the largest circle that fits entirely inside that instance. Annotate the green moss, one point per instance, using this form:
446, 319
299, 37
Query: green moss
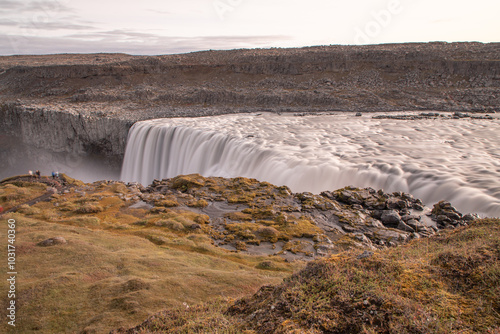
198, 203
301, 228
241, 199
295, 247
238, 216
187, 182
260, 213
269, 233
167, 203
89, 208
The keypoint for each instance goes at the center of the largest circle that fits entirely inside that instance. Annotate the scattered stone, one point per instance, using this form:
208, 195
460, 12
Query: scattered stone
390, 218
365, 255
418, 207
470, 217
416, 225
141, 205
406, 218
444, 213
404, 227
396, 203
52, 242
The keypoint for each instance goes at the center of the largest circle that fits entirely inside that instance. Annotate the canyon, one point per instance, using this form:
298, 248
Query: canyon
85, 103
363, 169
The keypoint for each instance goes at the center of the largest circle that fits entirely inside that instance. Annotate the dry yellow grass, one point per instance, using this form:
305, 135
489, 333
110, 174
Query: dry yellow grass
119, 264
446, 284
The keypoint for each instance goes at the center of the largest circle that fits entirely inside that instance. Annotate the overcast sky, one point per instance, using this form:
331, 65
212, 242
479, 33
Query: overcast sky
174, 26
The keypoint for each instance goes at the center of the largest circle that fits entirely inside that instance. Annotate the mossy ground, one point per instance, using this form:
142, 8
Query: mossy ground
449, 283
120, 264
123, 263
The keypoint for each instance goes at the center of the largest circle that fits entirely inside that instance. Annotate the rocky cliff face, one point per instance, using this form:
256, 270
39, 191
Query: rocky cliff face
95, 90
62, 131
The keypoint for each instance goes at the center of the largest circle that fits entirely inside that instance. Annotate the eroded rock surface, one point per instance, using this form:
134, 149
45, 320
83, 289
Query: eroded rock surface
92, 100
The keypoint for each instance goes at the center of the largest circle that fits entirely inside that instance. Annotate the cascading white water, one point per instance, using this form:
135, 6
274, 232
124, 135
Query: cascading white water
457, 160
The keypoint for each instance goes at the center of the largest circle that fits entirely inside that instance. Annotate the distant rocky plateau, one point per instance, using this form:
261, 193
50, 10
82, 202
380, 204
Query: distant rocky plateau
85, 103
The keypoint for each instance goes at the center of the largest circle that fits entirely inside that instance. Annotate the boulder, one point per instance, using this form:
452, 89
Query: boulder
406, 218
396, 203
52, 242
404, 227
416, 225
391, 218
364, 255
470, 217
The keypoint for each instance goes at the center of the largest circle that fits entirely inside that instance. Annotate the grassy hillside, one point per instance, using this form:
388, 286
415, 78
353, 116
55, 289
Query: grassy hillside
118, 265
97, 257
449, 283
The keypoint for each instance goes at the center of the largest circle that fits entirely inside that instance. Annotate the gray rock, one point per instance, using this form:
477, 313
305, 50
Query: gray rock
141, 205
357, 207
453, 215
52, 242
390, 217
470, 217
365, 255
416, 225
406, 218
404, 227
443, 219
363, 238
396, 203
418, 207
377, 214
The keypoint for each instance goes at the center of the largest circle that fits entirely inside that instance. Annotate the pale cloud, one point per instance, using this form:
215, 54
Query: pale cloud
24, 7
128, 42
61, 25
166, 26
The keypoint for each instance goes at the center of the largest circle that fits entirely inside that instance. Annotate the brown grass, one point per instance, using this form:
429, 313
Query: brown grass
446, 284
119, 264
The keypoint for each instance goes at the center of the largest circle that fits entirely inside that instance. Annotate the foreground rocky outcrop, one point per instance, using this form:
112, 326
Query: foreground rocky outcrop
111, 91
447, 284
110, 254
256, 218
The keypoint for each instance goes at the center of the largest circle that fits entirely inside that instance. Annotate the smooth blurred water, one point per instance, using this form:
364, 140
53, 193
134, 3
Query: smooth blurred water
453, 159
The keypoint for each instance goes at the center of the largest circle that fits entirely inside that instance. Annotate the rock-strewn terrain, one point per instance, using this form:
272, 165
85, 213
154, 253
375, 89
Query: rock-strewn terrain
115, 90
109, 253
446, 284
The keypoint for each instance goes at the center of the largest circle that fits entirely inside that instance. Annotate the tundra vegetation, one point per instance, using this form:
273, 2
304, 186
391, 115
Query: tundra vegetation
208, 255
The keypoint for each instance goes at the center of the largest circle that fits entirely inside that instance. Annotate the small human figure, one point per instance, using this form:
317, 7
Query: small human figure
57, 175
31, 174
53, 175
37, 174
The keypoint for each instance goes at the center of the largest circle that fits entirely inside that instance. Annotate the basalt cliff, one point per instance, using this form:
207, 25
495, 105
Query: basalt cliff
90, 101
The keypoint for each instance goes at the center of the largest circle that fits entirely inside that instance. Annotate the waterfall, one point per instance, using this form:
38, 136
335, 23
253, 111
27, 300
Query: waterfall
313, 155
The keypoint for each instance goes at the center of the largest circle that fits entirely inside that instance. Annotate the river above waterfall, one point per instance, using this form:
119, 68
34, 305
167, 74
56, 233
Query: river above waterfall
433, 159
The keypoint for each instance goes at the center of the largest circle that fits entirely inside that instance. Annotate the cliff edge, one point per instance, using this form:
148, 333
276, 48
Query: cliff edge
91, 89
